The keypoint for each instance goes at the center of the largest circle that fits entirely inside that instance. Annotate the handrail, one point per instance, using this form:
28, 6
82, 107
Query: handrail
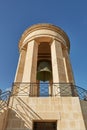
48, 89
42, 90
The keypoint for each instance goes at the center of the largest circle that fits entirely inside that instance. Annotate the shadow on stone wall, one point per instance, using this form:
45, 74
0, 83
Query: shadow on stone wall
21, 116
84, 111
3, 115
14, 121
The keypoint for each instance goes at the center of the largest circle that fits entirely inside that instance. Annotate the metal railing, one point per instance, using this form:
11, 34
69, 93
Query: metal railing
48, 89
42, 90
4, 99
82, 93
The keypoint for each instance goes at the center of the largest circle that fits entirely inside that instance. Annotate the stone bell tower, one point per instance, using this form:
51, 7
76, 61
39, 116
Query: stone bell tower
44, 56
44, 96
43, 43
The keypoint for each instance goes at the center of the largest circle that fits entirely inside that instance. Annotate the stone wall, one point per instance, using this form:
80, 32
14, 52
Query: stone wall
84, 111
3, 117
25, 110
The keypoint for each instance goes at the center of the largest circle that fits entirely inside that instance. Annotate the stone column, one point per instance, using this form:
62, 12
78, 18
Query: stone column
70, 77
20, 67
69, 74
30, 67
19, 72
58, 68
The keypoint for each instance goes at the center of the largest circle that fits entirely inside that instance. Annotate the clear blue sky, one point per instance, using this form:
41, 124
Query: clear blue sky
17, 15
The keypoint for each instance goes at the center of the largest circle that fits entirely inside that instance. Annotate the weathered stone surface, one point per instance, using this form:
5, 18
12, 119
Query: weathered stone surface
43, 42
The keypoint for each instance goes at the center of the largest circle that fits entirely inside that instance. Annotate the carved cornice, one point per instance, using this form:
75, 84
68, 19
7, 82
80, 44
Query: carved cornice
47, 27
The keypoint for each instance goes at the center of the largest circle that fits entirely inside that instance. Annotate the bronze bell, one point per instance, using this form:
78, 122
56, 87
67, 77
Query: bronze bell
44, 71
